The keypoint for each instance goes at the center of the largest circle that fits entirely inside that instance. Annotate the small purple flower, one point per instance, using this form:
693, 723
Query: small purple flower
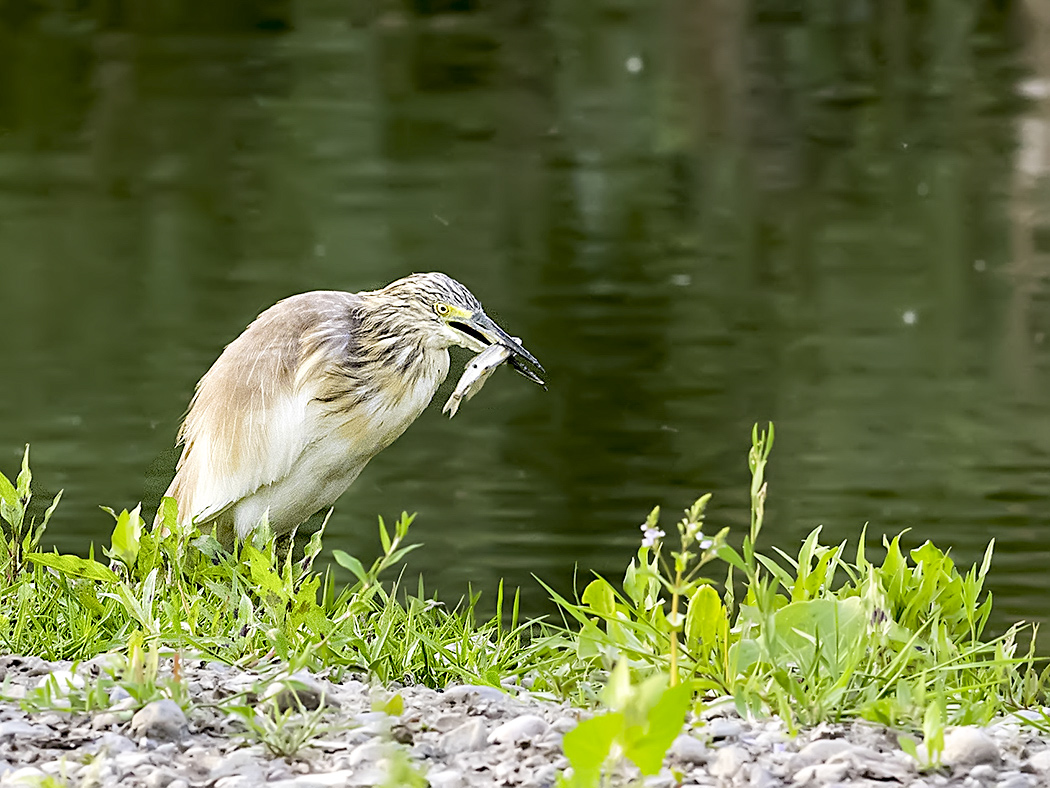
650, 536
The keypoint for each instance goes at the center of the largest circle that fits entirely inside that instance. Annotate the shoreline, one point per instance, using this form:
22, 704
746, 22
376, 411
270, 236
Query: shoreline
354, 734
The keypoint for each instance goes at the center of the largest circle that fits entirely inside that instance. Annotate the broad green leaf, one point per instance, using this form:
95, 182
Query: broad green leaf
395, 706
75, 566
7, 491
663, 723
706, 619
831, 627
589, 744
126, 535
618, 691
600, 597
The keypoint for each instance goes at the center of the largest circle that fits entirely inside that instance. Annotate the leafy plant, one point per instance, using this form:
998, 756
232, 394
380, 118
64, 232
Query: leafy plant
19, 538
643, 720
813, 636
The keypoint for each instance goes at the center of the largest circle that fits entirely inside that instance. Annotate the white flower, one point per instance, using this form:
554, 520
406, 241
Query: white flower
705, 542
650, 536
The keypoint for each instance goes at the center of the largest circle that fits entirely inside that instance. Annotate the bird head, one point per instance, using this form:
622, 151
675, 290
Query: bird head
449, 314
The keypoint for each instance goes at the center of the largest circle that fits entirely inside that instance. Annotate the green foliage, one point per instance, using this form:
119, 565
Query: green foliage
20, 538
166, 588
643, 720
814, 636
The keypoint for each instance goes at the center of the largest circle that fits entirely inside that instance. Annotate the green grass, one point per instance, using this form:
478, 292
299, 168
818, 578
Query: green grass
812, 636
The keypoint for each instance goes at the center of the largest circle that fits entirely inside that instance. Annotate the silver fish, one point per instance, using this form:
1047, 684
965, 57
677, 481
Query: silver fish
477, 371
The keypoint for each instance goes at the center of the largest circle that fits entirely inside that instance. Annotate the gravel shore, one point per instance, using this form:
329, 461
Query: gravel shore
461, 737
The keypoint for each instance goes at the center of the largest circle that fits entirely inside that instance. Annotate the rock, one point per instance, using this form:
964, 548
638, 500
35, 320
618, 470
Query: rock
968, 746
23, 666
722, 728
460, 692
819, 751
525, 727
299, 689
564, 724
160, 719
728, 761
821, 774
689, 749
368, 753
446, 778
761, 777
235, 764
1040, 761
20, 729
469, 736
159, 778
1014, 779
27, 775
446, 722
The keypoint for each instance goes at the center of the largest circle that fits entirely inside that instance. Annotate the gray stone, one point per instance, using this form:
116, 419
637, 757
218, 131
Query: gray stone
821, 774
689, 749
368, 753
469, 736
112, 744
1014, 779
523, 728
1040, 761
13, 729
460, 692
446, 722
982, 771
722, 728
564, 724
761, 777
728, 761
237, 764
446, 778
160, 719
299, 689
158, 778
819, 751
27, 775
968, 746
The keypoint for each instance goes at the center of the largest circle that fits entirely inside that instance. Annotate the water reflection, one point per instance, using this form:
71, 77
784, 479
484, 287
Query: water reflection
698, 216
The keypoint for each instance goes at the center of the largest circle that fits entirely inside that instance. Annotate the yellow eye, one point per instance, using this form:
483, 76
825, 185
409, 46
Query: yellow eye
441, 309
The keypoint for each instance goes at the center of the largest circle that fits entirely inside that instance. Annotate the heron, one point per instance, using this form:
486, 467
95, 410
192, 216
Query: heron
316, 386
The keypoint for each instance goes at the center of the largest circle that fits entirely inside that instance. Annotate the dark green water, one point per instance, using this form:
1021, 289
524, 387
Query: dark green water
698, 215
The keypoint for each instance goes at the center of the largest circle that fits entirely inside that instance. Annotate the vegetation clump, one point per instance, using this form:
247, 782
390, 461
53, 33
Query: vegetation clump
813, 636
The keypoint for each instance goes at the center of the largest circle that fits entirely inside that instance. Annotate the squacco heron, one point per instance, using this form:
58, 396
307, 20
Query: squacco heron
295, 407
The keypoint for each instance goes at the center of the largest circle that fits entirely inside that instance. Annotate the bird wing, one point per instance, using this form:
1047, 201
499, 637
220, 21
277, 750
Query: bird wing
250, 418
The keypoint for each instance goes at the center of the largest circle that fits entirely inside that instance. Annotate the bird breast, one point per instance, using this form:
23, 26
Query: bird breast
345, 433
394, 397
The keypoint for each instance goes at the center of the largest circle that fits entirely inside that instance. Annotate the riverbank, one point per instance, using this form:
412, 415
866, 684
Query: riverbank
348, 733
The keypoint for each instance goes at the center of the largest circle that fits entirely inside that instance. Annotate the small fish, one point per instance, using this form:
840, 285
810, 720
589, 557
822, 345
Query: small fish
477, 371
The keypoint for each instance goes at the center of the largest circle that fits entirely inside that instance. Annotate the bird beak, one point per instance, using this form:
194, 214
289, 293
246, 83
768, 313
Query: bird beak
484, 332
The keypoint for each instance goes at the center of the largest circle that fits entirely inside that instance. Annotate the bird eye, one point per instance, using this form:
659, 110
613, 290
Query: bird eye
441, 309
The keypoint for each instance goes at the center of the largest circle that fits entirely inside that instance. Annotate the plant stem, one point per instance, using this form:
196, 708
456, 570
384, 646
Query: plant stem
674, 627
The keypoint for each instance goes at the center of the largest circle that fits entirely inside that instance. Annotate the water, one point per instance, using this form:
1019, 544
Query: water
696, 218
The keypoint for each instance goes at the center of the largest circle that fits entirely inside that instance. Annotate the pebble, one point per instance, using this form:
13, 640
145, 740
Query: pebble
1040, 761
471, 735
160, 719
300, 688
528, 726
689, 749
729, 761
968, 746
